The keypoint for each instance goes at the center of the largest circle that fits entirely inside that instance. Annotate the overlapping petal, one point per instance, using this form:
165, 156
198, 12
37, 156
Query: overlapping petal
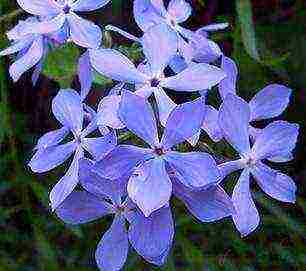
40, 7
88, 5
180, 10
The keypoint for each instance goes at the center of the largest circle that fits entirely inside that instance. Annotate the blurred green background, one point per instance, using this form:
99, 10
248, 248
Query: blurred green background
266, 39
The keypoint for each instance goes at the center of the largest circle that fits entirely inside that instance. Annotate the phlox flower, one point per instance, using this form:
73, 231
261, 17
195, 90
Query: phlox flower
278, 139
151, 236
68, 109
149, 185
61, 14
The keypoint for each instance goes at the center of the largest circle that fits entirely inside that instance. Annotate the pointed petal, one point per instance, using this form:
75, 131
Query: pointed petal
145, 14
49, 158
276, 139
228, 84
68, 109
122, 32
32, 56
195, 169
150, 187
229, 167
85, 74
214, 27
52, 138
206, 205
138, 116
246, 217
180, 10
88, 5
116, 66
82, 207
234, 118
211, 123
16, 47
277, 185
159, 46
99, 147
94, 184
113, 248
40, 7
67, 183
151, 236
83, 32
45, 27
196, 77
184, 121
108, 112
165, 105
121, 161
270, 102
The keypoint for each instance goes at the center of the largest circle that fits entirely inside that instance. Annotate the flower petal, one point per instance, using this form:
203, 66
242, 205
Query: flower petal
159, 46
68, 109
234, 118
159, 7
52, 138
85, 74
194, 169
145, 14
180, 10
51, 157
150, 187
28, 60
246, 217
151, 236
108, 112
228, 84
16, 47
229, 167
99, 147
277, 185
94, 184
67, 183
83, 32
116, 66
82, 207
121, 161
40, 7
184, 121
270, 102
211, 123
196, 77
88, 5
138, 116
113, 248
276, 139
206, 205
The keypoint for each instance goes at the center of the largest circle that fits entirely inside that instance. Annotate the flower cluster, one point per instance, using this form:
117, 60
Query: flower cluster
135, 183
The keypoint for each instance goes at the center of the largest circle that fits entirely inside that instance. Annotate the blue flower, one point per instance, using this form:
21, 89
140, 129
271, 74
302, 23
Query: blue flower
68, 109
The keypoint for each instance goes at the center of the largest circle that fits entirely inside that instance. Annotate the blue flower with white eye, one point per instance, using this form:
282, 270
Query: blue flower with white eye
56, 15
278, 139
68, 109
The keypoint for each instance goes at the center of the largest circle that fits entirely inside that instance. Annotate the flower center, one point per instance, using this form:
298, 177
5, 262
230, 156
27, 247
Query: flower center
155, 82
66, 9
159, 151
249, 161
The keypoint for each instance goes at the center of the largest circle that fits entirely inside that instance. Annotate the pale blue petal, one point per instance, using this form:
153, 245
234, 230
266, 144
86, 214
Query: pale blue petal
211, 123
234, 118
40, 7
52, 138
113, 248
275, 184
88, 5
229, 167
150, 187
85, 74
180, 10
82, 207
137, 114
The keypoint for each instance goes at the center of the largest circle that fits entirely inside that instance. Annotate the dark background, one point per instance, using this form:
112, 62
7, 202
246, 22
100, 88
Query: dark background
32, 238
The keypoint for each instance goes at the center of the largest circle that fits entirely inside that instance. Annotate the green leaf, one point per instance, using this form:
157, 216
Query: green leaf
244, 11
61, 64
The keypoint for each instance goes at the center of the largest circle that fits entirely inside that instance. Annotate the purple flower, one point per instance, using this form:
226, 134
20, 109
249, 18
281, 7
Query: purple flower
278, 139
149, 185
68, 109
159, 46
193, 46
57, 15
151, 236
31, 49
